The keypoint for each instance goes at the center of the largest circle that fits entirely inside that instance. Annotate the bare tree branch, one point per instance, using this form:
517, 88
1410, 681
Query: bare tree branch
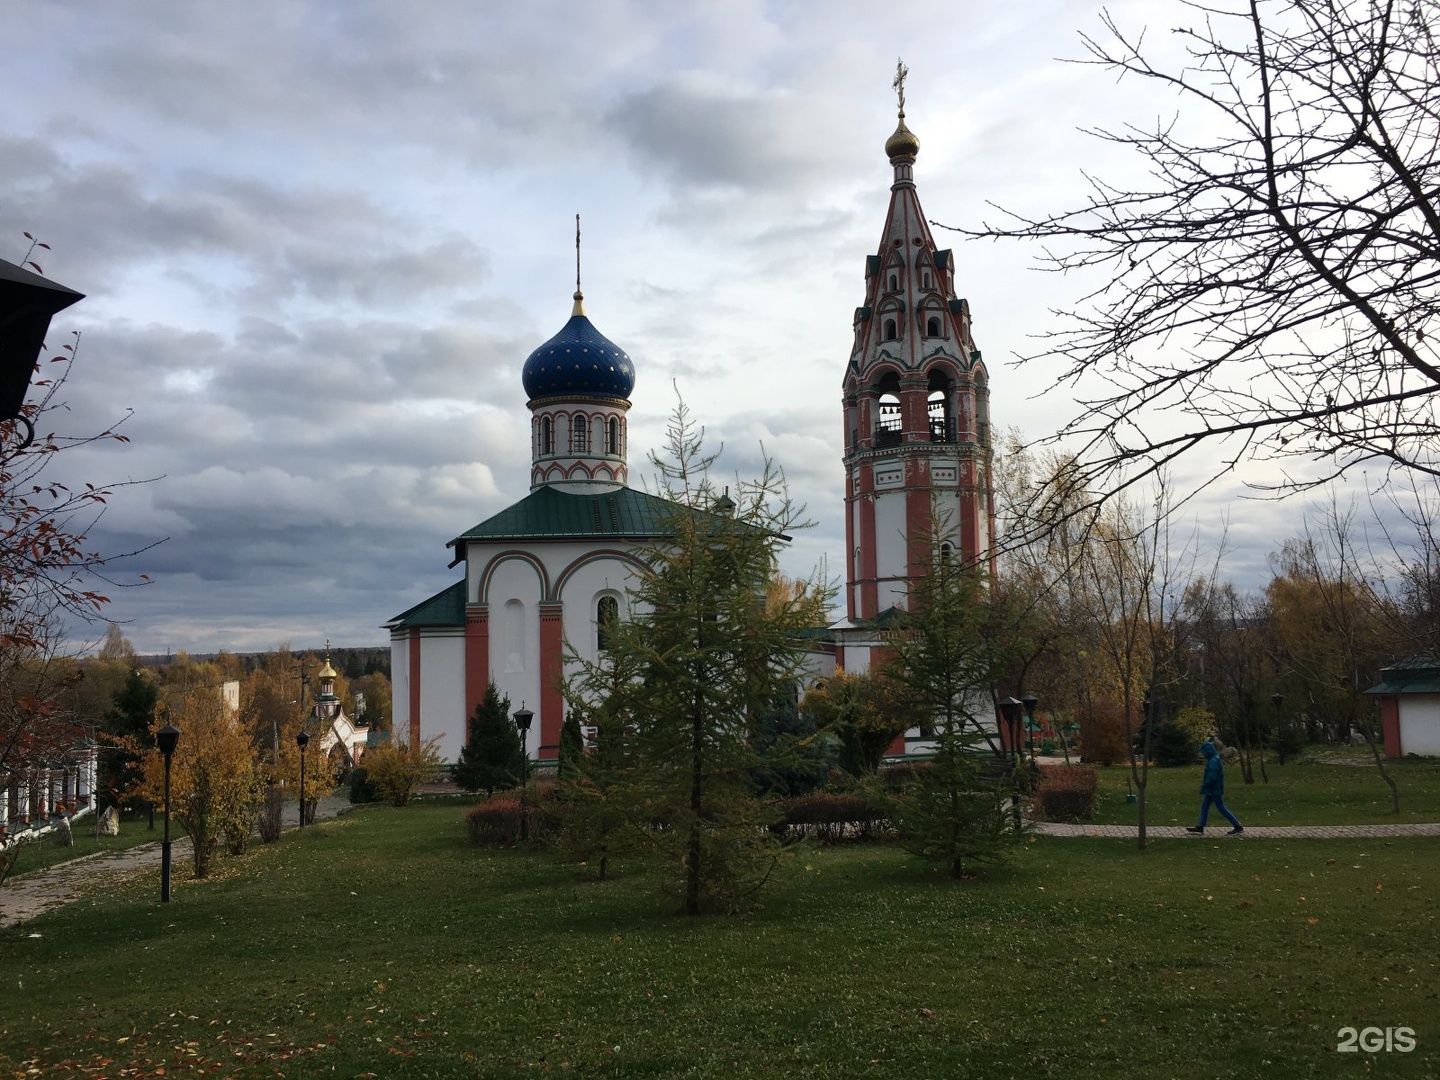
1273, 293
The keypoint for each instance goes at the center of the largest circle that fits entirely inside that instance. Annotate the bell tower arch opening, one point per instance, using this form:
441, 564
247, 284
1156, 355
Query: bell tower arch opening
889, 420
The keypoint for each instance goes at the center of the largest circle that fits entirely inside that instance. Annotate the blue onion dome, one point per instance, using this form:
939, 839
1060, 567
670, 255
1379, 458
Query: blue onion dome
579, 361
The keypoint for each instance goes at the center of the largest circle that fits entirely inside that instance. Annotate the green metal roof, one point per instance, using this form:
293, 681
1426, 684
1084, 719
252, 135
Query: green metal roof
548, 513
445, 608
1414, 675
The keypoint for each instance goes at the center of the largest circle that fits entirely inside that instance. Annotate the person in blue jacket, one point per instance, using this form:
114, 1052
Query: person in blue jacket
1212, 788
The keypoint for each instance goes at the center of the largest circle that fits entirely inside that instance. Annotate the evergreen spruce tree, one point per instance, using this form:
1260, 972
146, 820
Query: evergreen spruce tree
572, 744
702, 657
128, 723
947, 656
491, 757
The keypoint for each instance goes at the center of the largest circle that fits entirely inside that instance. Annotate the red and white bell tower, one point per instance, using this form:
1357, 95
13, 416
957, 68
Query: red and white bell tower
917, 433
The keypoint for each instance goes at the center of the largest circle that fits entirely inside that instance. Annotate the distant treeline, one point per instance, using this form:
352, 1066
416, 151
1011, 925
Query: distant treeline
353, 663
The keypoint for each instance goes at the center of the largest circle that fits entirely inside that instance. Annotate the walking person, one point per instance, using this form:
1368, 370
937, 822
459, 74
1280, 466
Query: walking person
1212, 790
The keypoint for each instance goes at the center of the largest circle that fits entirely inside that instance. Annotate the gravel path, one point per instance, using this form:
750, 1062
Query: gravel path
1258, 832
23, 898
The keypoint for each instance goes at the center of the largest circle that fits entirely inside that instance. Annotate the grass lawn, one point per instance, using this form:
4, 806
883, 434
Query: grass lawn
383, 945
39, 853
1297, 794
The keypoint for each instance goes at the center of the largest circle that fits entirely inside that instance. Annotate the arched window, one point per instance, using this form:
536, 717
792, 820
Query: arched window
891, 330
547, 436
947, 549
612, 441
579, 435
894, 282
925, 280
889, 423
607, 611
932, 326
938, 407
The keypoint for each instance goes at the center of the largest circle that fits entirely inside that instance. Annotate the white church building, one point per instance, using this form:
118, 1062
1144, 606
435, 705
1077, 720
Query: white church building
554, 567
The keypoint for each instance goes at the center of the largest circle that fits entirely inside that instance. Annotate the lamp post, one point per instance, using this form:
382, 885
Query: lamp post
1277, 699
523, 718
302, 740
166, 738
1010, 710
1030, 701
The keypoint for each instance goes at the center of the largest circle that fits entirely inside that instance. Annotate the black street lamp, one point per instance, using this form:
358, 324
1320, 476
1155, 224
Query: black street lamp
523, 718
302, 740
1030, 701
166, 738
1010, 710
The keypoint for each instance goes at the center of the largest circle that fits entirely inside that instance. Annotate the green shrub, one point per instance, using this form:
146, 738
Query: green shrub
362, 788
1066, 793
1172, 745
397, 770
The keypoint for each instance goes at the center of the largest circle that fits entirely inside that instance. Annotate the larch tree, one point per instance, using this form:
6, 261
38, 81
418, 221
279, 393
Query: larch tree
713, 647
947, 653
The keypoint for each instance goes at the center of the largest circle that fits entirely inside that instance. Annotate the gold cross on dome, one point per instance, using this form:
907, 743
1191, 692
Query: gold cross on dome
899, 84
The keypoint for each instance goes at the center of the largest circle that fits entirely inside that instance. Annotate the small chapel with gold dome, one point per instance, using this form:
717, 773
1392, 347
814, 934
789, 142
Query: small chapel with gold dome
553, 569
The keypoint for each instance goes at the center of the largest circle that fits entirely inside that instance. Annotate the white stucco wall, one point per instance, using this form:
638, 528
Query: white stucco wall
442, 691
513, 598
1420, 724
890, 548
580, 595
442, 688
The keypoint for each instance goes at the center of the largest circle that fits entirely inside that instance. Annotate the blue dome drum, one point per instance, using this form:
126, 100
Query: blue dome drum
579, 361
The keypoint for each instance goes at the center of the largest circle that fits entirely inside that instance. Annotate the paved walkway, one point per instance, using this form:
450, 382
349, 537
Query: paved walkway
1258, 832
23, 898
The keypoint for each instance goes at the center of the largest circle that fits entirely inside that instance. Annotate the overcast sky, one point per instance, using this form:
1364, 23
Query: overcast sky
318, 241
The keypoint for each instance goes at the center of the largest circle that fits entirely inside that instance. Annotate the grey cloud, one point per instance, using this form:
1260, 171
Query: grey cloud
710, 137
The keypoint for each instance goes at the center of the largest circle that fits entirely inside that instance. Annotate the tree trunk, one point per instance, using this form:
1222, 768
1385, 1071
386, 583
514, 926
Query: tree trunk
1384, 772
697, 780
1140, 805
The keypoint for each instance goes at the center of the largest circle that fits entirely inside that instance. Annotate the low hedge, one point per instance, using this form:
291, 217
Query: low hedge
832, 818
496, 822
1066, 793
